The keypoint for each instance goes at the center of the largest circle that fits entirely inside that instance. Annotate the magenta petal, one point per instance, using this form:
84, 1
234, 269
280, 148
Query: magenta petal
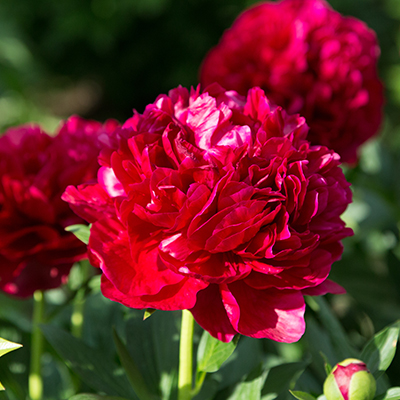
109, 182
325, 287
270, 313
142, 274
90, 202
210, 314
180, 296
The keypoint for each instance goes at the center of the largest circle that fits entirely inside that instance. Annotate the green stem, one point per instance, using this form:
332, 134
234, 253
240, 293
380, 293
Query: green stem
186, 357
35, 376
199, 382
77, 313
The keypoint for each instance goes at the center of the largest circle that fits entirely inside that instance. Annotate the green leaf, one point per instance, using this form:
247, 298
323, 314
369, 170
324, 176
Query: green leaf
392, 394
89, 396
7, 346
378, 353
327, 365
212, 353
250, 388
301, 395
148, 312
82, 232
338, 335
95, 368
154, 345
132, 371
281, 376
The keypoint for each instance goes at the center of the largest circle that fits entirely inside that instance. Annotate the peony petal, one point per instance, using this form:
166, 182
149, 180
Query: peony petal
109, 182
270, 313
210, 314
179, 296
90, 202
140, 274
325, 287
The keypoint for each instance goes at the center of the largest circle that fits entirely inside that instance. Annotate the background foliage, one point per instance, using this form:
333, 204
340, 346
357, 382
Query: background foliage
101, 59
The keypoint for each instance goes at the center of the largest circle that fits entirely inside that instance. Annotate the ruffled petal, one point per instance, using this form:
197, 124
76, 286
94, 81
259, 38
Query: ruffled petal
179, 296
133, 271
210, 314
271, 313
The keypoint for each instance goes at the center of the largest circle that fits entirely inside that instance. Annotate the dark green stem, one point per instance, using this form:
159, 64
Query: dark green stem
35, 376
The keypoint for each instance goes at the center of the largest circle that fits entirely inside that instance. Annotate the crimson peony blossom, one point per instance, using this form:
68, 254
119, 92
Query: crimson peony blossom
35, 168
309, 59
216, 203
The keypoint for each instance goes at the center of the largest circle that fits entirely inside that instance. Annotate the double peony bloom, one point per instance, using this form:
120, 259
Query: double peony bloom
216, 203
36, 253
309, 59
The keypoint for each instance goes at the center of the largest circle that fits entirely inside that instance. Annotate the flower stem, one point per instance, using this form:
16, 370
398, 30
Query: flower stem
186, 357
35, 376
77, 313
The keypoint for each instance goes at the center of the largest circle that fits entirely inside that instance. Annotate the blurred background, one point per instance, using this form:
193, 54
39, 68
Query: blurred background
102, 58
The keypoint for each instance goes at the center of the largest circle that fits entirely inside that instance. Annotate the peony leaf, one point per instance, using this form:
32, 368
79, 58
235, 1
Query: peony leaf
338, 335
327, 365
154, 345
378, 353
280, 377
82, 232
89, 396
212, 353
93, 366
7, 346
392, 394
250, 388
132, 371
148, 312
301, 395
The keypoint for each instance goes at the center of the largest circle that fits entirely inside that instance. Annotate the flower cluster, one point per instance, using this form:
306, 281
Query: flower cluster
309, 59
216, 203
36, 253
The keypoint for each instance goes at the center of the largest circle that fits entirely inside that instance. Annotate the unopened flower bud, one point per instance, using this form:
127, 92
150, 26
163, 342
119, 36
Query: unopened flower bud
350, 380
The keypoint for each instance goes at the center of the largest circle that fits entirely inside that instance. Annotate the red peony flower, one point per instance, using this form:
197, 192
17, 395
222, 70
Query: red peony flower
310, 60
215, 203
35, 168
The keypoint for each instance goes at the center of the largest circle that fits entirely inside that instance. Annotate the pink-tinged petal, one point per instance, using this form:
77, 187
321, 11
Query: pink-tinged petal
203, 119
179, 296
271, 313
325, 287
257, 104
234, 137
109, 182
90, 202
210, 314
134, 268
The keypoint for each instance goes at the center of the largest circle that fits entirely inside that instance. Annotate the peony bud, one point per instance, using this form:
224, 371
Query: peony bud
350, 380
